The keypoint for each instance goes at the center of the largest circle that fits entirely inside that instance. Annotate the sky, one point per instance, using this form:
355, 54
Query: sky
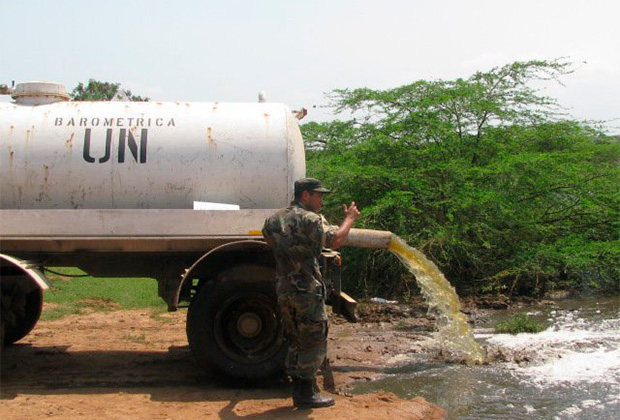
298, 51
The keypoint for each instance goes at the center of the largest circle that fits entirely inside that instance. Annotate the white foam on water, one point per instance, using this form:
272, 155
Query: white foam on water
599, 366
592, 409
570, 411
590, 403
572, 350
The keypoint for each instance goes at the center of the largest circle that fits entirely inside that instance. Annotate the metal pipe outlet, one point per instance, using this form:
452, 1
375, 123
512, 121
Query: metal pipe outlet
368, 238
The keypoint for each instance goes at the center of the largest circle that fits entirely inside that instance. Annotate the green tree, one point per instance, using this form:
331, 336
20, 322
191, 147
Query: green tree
484, 175
95, 90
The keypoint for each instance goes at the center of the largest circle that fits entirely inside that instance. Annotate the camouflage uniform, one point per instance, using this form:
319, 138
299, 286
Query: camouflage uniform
299, 236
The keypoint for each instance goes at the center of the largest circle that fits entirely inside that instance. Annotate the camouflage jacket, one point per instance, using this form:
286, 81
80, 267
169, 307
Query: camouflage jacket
299, 236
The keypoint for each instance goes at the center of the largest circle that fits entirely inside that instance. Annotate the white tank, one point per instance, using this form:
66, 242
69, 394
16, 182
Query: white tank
139, 155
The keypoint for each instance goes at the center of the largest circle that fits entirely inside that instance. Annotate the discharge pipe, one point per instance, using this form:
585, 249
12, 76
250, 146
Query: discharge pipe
367, 238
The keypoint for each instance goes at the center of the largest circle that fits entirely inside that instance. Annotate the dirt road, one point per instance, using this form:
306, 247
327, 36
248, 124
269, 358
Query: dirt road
134, 365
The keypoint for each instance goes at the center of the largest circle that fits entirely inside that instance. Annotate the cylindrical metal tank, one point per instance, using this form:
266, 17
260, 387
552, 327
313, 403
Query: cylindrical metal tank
139, 155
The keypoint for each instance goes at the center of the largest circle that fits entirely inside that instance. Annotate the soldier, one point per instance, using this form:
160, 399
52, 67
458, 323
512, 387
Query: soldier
297, 234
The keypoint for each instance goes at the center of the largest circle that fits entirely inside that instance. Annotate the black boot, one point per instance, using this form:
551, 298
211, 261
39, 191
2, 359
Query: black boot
305, 396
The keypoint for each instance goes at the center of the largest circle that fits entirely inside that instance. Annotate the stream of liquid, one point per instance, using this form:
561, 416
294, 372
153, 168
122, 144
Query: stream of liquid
454, 336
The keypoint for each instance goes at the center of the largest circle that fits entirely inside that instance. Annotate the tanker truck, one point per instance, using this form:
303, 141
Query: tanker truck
173, 191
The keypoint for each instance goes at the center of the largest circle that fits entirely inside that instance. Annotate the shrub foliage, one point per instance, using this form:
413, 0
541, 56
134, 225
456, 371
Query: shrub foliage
484, 175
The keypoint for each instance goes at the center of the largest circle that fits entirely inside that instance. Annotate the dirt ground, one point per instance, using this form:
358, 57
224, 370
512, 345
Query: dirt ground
136, 365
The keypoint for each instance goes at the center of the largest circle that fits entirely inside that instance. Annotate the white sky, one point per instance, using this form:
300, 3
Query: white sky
296, 51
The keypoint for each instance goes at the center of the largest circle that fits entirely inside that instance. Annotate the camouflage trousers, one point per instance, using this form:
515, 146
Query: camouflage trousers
305, 322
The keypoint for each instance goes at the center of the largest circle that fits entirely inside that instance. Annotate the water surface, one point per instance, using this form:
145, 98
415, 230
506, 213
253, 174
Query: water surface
569, 371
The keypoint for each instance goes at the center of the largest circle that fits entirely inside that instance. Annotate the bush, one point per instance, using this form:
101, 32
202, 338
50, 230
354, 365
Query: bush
519, 324
478, 175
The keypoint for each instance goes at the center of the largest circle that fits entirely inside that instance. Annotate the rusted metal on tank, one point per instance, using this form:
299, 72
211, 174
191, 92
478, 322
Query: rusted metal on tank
210, 139
148, 155
11, 155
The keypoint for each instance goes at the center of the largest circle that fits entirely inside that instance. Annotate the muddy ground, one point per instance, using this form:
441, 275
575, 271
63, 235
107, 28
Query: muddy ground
136, 365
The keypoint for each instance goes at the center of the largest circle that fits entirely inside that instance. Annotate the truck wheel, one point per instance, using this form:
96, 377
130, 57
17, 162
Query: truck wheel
21, 305
233, 325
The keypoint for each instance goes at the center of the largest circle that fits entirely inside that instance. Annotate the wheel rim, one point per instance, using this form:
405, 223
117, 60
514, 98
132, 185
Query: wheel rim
247, 329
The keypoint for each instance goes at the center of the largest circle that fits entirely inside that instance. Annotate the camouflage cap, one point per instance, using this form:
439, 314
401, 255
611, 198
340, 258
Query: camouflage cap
309, 184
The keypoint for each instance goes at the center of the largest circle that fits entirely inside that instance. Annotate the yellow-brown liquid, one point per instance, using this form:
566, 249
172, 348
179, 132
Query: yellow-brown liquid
455, 338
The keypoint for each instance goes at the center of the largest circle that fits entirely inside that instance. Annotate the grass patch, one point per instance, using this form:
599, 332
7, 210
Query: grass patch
140, 338
161, 317
520, 323
78, 295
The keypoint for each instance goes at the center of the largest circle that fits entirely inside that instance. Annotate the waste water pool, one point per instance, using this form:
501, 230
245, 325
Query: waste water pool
571, 370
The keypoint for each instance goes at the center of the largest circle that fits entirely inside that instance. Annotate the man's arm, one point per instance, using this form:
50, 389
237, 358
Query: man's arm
351, 214
270, 241
266, 234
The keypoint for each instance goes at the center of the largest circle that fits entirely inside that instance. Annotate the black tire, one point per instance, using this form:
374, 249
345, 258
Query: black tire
20, 322
233, 325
